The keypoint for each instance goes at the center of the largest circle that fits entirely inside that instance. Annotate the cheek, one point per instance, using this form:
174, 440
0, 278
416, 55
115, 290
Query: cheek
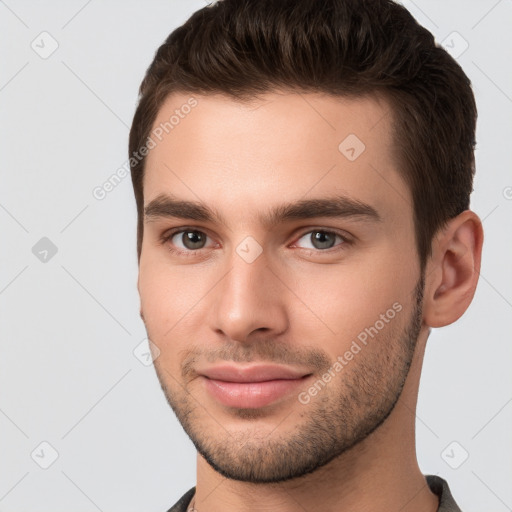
169, 297
329, 304
340, 303
167, 301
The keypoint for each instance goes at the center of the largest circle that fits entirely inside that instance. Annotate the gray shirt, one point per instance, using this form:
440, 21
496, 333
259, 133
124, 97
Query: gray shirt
437, 485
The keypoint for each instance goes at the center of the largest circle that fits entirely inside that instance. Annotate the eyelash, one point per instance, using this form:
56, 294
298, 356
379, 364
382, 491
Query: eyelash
168, 235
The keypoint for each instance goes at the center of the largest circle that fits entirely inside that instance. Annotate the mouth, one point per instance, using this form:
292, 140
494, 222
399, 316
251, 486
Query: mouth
252, 386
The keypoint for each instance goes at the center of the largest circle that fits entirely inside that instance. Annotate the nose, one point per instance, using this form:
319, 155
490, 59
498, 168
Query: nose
249, 298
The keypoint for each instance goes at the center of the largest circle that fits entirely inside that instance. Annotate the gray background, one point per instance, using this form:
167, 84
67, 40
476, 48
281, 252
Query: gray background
70, 322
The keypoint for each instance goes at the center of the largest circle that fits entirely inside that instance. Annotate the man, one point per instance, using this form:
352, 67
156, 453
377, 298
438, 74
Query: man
302, 172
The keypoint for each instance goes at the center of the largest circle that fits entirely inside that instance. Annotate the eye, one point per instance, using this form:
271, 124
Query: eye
185, 240
322, 240
190, 241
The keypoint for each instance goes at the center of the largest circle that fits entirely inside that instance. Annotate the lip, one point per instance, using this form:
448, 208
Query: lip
252, 373
252, 386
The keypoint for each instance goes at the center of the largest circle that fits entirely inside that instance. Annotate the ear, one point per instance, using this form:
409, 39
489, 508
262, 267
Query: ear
138, 290
453, 270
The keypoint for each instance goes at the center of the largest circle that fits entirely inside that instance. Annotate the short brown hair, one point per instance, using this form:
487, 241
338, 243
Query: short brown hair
341, 47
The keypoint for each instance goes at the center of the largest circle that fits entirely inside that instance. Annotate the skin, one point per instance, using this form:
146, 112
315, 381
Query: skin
296, 303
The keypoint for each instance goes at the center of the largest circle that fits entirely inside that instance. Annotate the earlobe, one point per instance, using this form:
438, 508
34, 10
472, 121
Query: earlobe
454, 268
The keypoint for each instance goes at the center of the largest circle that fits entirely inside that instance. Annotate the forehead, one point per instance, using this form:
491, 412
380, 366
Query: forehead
281, 147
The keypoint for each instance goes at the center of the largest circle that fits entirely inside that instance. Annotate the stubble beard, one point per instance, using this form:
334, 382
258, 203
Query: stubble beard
343, 414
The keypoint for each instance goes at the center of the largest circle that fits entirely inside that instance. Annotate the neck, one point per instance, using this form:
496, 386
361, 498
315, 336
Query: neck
380, 473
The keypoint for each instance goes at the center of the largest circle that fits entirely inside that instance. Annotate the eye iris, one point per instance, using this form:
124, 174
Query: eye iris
191, 238
318, 237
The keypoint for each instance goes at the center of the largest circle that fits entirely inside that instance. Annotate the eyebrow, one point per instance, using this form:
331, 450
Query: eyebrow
169, 206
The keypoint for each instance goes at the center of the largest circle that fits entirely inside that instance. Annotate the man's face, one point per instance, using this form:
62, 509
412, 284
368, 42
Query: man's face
284, 340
